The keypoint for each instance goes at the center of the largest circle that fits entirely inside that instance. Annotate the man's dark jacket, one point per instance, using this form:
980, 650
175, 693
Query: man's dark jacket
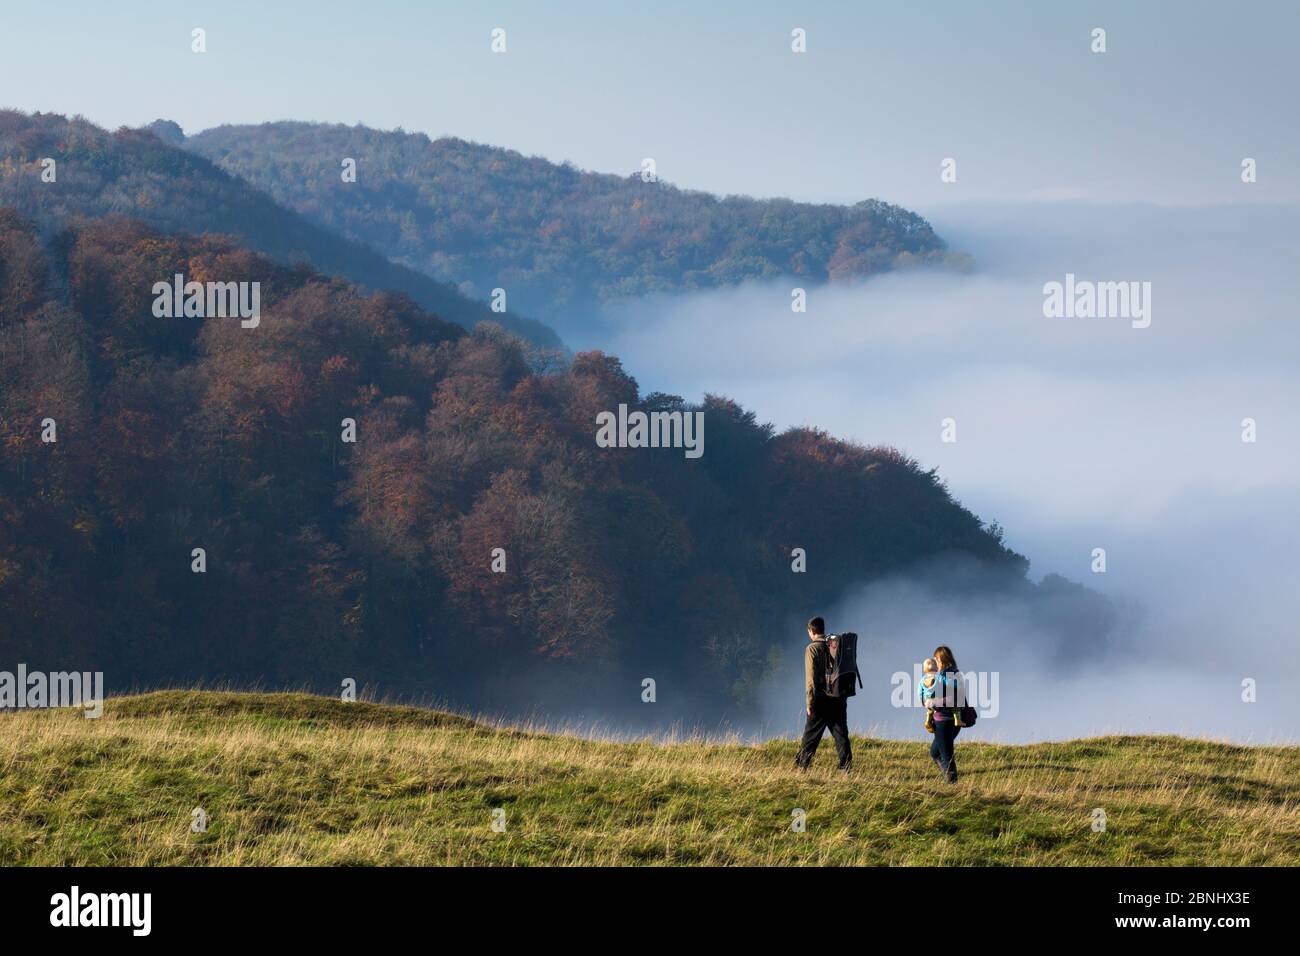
816, 662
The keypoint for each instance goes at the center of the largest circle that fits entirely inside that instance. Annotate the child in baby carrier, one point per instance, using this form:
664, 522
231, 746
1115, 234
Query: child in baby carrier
926, 690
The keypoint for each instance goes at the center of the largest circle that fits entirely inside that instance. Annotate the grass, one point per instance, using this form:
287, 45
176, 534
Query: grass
295, 779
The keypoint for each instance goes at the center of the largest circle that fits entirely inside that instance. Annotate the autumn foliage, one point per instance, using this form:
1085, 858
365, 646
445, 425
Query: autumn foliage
372, 560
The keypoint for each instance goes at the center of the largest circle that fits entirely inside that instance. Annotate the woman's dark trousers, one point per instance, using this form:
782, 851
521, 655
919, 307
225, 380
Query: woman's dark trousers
941, 748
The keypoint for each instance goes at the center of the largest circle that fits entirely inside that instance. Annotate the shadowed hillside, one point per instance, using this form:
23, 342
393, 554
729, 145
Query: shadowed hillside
373, 559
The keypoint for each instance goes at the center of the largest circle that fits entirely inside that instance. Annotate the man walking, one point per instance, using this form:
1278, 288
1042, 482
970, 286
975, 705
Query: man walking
823, 710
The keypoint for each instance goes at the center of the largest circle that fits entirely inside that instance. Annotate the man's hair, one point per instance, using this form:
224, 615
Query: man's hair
817, 625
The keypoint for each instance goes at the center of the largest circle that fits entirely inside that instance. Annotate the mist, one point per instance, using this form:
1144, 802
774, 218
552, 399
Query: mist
1072, 433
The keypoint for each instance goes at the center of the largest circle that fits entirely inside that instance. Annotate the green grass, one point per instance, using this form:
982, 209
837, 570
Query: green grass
296, 779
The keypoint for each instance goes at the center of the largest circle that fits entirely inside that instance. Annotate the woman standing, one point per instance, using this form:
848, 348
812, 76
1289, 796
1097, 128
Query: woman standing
947, 697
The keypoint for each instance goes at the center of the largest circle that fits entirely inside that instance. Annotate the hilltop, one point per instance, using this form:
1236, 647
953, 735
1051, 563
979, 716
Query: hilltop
293, 779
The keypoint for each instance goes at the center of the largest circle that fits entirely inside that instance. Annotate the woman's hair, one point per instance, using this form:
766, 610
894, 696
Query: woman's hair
943, 657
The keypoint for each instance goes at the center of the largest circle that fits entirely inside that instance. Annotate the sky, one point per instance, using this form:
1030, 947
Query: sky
885, 92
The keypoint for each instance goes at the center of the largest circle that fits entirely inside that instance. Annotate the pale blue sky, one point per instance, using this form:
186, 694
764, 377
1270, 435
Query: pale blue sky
713, 93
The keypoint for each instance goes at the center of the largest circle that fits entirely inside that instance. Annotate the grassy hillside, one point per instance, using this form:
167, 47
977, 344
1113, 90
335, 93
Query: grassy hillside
294, 779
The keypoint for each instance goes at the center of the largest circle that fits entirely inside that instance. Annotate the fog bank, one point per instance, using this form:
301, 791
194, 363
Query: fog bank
1073, 434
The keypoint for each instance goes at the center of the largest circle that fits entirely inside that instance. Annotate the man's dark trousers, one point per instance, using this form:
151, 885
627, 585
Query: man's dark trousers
832, 712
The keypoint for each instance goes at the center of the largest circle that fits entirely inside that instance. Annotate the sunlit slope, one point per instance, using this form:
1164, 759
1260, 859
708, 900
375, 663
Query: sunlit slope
296, 779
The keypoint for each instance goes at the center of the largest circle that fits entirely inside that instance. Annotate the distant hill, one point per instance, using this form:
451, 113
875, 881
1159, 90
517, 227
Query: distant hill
560, 241
290, 779
141, 174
